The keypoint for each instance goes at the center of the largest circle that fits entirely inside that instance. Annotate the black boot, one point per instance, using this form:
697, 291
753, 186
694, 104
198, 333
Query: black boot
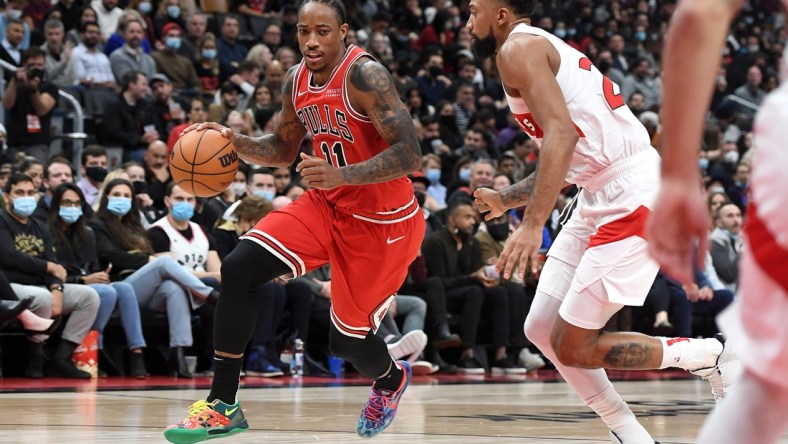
10, 310
137, 366
444, 338
178, 367
35, 364
62, 366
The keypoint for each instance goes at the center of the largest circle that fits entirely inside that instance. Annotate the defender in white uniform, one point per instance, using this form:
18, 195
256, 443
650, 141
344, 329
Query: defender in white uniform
600, 261
757, 322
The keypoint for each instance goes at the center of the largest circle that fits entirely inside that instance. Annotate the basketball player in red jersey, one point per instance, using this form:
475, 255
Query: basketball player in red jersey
360, 215
599, 262
755, 409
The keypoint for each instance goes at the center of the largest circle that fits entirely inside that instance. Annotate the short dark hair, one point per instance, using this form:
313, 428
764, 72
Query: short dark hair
84, 26
57, 159
262, 170
34, 51
522, 8
129, 78
336, 5
248, 66
15, 179
456, 203
92, 151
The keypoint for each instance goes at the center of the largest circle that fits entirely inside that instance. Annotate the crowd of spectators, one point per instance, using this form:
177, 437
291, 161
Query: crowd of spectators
93, 241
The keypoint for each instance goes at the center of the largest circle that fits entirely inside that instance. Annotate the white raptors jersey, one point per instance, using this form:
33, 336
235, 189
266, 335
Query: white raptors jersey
193, 254
608, 130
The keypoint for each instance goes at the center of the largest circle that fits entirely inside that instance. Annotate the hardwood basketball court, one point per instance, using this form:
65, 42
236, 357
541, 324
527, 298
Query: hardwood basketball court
537, 408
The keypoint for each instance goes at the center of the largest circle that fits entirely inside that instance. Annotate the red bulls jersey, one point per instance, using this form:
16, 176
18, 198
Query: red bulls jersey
342, 136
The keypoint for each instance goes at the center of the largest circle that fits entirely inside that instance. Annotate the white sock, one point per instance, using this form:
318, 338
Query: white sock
618, 417
752, 411
689, 354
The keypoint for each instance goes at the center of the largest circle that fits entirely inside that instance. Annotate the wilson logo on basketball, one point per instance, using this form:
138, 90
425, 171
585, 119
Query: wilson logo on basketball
228, 159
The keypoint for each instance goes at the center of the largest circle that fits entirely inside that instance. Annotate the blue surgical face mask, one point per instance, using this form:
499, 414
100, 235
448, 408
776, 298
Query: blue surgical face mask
174, 11
265, 194
182, 211
25, 206
119, 206
560, 33
70, 214
465, 175
144, 8
703, 163
433, 175
640, 36
173, 42
209, 53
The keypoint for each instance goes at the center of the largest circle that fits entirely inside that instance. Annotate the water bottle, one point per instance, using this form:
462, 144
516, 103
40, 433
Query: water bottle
297, 366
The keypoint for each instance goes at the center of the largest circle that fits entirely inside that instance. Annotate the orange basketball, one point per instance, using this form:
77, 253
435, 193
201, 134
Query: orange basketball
203, 163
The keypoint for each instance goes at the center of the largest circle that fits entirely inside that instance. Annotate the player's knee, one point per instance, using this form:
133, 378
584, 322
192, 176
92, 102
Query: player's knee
343, 346
537, 330
569, 352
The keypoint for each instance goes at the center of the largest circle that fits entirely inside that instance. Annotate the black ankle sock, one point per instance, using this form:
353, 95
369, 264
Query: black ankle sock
226, 378
392, 380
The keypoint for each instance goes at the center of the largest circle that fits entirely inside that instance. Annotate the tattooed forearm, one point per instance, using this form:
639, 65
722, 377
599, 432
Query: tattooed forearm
280, 148
393, 122
632, 355
519, 193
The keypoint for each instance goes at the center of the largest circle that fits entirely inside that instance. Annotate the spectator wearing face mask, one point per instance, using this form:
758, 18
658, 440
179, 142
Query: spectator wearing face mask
93, 166
179, 69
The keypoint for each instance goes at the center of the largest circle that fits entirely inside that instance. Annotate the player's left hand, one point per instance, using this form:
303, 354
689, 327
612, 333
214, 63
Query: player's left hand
489, 201
317, 173
523, 245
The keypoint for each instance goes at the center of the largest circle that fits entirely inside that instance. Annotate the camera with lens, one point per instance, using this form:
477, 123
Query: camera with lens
33, 73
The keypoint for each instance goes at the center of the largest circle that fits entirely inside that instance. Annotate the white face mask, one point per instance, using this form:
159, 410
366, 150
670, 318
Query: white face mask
238, 188
14, 14
732, 156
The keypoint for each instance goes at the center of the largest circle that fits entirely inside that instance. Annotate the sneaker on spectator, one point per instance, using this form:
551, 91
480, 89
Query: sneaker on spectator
505, 366
259, 365
529, 360
469, 365
411, 343
421, 368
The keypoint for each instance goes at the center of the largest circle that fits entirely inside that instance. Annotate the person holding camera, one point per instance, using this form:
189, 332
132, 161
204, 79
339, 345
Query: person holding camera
29, 100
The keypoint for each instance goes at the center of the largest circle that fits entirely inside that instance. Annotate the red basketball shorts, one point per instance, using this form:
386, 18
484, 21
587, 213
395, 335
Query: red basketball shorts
369, 253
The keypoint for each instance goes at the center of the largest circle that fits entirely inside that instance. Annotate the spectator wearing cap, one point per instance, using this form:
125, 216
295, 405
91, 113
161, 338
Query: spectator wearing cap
166, 107
230, 51
178, 68
230, 92
131, 56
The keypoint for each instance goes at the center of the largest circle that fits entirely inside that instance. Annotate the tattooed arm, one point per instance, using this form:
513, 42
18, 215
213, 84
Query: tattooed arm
372, 91
280, 148
518, 194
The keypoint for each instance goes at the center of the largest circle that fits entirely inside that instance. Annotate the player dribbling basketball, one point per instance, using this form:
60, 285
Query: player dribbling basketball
360, 215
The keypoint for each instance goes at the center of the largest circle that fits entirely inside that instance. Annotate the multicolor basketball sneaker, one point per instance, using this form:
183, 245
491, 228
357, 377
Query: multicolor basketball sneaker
208, 420
381, 407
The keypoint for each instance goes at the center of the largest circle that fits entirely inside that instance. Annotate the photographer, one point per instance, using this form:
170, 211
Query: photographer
29, 101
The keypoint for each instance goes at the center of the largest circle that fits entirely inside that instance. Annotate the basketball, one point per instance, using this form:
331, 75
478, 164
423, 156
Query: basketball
203, 163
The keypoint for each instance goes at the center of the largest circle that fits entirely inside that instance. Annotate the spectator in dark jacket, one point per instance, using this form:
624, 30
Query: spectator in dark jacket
132, 123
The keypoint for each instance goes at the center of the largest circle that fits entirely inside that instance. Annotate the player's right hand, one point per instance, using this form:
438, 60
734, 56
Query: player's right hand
678, 229
225, 131
488, 201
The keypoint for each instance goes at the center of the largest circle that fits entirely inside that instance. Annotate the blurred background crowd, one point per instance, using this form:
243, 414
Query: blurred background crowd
92, 228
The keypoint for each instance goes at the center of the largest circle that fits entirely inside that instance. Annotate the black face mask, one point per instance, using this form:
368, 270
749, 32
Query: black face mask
603, 66
446, 120
499, 232
435, 71
402, 69
140, 187
96, 174
420, 197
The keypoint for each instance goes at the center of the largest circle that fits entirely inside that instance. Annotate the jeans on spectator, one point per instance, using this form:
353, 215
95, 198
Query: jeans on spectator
412, 308
467, 300
272, 299
120, 294
79, 301
680, 310
163, 285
